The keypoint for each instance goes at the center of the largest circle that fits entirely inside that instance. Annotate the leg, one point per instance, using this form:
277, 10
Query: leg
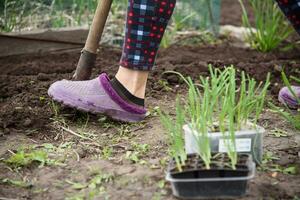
146, 23
291, 9
123, 97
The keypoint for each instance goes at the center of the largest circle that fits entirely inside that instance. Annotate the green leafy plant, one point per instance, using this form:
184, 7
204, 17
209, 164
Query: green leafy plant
271, 27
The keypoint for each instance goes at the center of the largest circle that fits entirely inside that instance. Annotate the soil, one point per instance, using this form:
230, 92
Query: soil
219, 162
28, 118
231, 12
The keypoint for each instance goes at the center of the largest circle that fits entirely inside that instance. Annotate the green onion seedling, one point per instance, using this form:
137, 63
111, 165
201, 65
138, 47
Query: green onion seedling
223, 103
176, 135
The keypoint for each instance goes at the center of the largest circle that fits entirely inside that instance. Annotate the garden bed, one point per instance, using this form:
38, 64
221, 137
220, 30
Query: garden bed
26, 112
128, 161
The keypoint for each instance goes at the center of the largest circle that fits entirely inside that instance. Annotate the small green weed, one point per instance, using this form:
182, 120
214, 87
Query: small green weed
57, 117
107, 153
37, 154
161, 184
42, 99
164, 85
269, 157
138, 151
95, 186
153, 111
25, 158
135, 157
268, 165
140, 148
278, 133
289, 170
16, 183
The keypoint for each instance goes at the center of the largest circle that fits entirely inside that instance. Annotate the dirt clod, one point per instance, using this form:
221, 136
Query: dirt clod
43, 77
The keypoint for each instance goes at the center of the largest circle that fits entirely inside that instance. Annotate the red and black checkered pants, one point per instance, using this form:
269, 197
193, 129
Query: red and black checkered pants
145, 26
291, 9
147, 21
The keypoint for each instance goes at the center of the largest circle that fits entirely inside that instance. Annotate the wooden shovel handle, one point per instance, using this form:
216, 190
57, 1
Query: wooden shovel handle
89, 52
97, 26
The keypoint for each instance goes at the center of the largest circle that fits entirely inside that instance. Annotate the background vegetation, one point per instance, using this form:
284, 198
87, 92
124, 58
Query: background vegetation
18, 15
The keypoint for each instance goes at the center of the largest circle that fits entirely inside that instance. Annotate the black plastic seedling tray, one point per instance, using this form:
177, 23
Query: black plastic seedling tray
213, 183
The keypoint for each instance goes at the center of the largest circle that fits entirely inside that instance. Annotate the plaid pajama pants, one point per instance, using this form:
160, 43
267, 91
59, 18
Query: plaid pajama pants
145, 26
291, 8
147, 21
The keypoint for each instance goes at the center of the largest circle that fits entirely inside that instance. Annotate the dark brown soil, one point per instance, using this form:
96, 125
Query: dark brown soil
219, 162
27, 118
232, 13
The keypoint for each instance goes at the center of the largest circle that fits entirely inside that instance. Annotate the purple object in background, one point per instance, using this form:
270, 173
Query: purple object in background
96, 96
286, 97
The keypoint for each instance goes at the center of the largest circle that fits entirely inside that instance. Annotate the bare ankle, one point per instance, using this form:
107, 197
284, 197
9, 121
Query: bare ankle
134, 81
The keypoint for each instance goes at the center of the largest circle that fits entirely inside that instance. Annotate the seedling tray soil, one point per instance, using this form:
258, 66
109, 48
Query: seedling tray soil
196, 182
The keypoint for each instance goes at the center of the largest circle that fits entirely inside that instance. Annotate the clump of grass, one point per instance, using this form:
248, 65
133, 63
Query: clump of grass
271, 27
174, 129
221, 103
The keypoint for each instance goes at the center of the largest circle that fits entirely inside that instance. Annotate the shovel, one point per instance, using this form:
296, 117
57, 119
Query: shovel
89, 52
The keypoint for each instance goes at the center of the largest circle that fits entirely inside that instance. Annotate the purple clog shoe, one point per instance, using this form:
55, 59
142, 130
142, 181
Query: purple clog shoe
286, 97
96, 96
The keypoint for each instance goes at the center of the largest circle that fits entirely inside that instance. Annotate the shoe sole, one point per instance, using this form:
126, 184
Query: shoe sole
118, 115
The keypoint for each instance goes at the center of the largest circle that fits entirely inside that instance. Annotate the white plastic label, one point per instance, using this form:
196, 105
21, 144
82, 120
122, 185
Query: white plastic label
242, 145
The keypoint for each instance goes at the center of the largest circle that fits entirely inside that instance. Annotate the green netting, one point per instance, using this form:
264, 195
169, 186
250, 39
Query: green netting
200, 14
